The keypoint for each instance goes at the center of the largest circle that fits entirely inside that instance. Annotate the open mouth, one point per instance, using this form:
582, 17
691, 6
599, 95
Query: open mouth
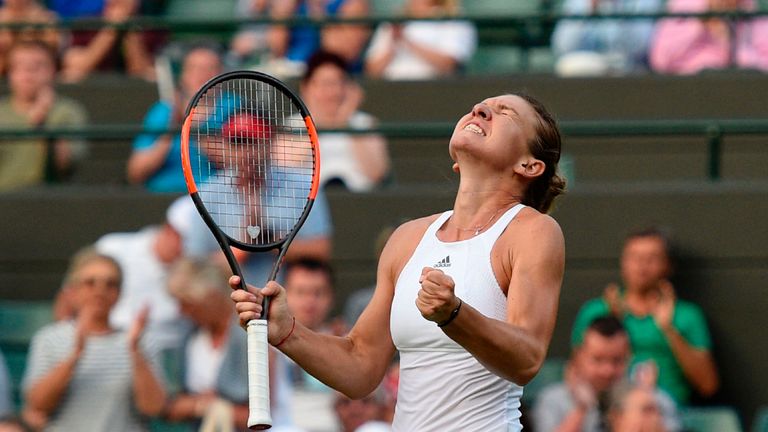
471, 127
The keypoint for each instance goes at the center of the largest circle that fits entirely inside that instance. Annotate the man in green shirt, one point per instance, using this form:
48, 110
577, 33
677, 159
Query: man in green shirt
33, 103
670, 332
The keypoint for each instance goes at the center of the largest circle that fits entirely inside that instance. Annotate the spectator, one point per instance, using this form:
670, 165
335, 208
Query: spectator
419, 50
309, 287
671, 333
213, 373
313, 240
6, 404
84, 374
292, 47
110, 49
145, 257
33, 103
689, 45
362, 415
634, 408
598, 47
156, 159
348, 41
597, 366
359, 162
249, 46
26, 11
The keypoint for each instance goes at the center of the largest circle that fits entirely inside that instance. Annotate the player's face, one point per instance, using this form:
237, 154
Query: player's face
30, 70
644, 262
602, 361
309, 296
97, 286
496, 130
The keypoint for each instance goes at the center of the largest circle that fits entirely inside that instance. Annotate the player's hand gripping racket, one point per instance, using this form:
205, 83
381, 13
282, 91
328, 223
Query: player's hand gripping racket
250, 157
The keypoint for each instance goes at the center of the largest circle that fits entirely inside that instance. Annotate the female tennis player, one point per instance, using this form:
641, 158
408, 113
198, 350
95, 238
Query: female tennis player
468, 297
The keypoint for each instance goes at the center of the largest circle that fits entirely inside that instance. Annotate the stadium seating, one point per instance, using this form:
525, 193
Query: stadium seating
710, 419
19, 320
760, 423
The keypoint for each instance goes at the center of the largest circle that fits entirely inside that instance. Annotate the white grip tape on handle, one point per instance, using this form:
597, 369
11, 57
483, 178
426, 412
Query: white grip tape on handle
258, 375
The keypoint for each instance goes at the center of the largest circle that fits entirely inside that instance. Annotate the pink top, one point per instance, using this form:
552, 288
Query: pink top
687, 46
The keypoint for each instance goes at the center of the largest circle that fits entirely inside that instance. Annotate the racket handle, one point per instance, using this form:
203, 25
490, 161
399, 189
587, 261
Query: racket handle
258, 375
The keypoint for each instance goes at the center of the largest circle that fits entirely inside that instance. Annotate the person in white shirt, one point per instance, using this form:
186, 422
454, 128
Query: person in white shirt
468, 297
421, 50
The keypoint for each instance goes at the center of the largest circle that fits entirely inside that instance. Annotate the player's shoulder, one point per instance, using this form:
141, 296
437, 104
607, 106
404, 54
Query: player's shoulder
408, 234
532, 225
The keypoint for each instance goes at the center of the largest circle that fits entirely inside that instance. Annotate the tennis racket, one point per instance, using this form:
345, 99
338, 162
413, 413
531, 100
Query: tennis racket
250, 157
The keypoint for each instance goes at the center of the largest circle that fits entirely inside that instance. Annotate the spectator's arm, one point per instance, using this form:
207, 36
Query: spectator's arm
150, 151
279, 36
684, 46
382, 50
80, 61
144, 163
697, 364
45, 394
318, 248
138, 60
148, 391
370, 152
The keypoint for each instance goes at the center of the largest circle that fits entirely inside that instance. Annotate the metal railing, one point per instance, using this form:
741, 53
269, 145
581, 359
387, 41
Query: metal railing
713, 130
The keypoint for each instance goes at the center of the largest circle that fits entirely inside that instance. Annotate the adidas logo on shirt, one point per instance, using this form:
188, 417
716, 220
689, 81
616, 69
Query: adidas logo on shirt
445, 262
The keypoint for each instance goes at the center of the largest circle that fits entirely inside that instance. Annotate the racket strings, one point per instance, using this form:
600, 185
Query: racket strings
255, 160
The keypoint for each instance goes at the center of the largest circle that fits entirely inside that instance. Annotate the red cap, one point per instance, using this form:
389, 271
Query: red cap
246, 126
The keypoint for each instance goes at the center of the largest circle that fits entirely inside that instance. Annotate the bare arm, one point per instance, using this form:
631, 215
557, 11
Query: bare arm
445, 64
316, 247
371, 154
143, 163
354, 364
513, 349
278, 36
697, 364
148, 392
46, 394
138, 59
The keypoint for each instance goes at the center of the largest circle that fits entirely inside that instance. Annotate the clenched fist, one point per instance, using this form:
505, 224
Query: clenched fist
436, 299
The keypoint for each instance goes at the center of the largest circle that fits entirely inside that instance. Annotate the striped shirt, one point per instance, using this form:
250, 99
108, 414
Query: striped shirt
99, 396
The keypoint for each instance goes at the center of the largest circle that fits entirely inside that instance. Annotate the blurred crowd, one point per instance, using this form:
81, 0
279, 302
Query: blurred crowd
433, 42
145, 332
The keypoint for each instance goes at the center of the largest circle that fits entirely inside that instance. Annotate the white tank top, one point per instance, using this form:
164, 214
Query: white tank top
442, 386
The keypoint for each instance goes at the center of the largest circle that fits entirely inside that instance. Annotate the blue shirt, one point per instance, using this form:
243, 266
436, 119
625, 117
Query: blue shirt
169, 177
257, 267
76, 8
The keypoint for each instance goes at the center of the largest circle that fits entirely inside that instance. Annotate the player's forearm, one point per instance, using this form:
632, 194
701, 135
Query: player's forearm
46, 394
506, 350
342, 363
697, 365
149, 394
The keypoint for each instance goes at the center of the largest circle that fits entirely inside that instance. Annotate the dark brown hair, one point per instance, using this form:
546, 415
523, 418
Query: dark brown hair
546, 147
321, 58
